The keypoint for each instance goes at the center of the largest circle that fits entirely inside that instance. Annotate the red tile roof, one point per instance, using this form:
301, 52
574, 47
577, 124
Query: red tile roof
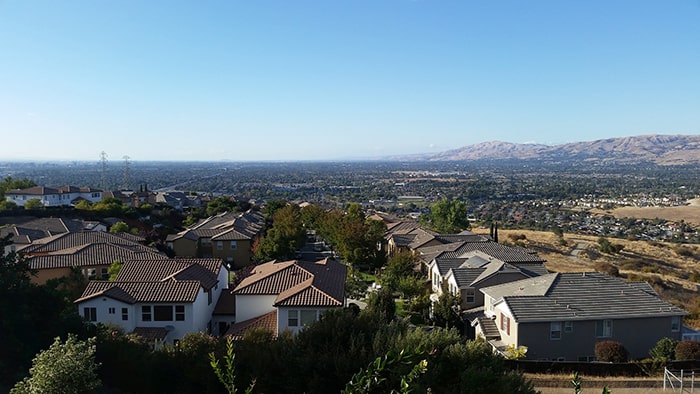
267, 322
298, 283
133, 292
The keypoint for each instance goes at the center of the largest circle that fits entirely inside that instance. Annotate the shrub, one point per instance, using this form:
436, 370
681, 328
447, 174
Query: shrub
610, 351
517, 237
688, 350
665, 350
607, 268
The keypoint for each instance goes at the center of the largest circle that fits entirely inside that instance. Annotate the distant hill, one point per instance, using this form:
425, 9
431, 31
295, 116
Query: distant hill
659, 149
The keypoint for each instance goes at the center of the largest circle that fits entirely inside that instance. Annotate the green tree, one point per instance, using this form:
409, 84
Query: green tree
381, 304
355, 287
33, 203
222, 204
284, 237
11, 184
68, 367
445, 310
6, 205
114, 269
119, 227
399, 266
447, 216
665, 350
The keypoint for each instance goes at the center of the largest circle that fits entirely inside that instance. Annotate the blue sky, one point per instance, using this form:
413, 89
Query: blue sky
338, 79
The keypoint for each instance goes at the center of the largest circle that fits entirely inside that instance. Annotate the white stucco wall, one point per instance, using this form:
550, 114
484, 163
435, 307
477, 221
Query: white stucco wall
250, 306
102, 304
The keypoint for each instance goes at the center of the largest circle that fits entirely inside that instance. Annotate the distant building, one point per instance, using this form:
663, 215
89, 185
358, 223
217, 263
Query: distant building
228, 236
54, 197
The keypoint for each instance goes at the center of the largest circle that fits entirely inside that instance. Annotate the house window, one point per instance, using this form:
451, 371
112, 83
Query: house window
505, 324
90, 314
568, 326
104, 273
293, 318
675, 323
234, 245
555, 330
603, 328
125, 313
219, 245
470, 295
91, 274
112, 310
163, 313
206, 241
308, 317
179, 312
146, 313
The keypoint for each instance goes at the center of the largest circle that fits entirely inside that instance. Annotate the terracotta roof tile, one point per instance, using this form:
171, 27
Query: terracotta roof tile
133, 292
267, 322
151, 334
298, 283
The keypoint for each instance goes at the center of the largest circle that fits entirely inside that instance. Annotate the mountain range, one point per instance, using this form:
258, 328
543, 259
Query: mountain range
657, 149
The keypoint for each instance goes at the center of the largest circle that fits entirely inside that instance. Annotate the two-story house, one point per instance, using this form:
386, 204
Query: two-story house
163, 299
228, 236
288, 295
477, 270
90, 251
53, 197
561, 316
476, 255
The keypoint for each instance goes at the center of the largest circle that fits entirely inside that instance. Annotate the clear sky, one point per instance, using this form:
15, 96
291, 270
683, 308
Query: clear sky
338, 79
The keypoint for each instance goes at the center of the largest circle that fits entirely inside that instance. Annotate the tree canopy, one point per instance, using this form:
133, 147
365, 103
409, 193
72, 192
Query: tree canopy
447, 216
68, 367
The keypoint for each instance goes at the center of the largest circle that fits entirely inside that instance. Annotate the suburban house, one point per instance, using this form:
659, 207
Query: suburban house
162, 300
90, 251
228, 236
476, 255
54, 197
23, 232
477, 269
561, 316
287, 295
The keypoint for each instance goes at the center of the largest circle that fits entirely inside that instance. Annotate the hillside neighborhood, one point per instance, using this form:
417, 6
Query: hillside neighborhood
212, 284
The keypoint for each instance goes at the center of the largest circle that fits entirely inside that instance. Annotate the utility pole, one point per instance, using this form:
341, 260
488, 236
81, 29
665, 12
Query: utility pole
103, 170
126, 172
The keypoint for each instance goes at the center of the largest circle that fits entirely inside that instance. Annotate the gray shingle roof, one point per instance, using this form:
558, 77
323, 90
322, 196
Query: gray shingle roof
579, 296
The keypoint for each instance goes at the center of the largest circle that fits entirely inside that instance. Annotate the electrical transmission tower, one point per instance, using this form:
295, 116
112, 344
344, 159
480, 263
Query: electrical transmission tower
127, 163
103, 169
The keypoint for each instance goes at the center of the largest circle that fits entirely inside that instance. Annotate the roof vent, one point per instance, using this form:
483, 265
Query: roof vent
568, 306
584, 274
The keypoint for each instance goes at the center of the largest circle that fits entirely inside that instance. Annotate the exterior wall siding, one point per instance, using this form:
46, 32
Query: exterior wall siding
637, 335
250, 306
241, 255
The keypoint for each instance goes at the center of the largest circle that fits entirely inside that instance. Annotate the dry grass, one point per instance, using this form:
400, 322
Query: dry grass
672, 269
551, 384
689, 213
